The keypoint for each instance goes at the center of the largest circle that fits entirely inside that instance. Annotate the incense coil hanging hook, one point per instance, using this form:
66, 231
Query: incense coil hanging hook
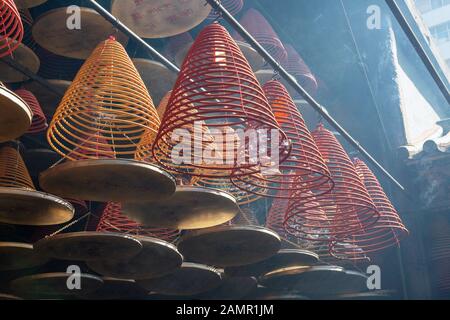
11, 28
39, 123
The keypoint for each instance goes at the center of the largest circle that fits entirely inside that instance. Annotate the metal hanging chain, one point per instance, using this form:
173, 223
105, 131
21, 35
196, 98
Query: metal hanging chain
69, 225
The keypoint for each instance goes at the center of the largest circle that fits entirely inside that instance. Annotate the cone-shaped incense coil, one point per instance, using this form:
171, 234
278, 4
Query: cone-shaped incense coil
297, 67
254, 22
107, 100
217, 88
304, 162
13, 172
112, 220
11, 28
348, 207
39, 122
386, 232
232, 6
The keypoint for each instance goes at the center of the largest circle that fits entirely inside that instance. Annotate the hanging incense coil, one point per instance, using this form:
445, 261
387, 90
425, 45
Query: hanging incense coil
297, 67
11, 28
39, 122
386, 232
216, 88
304, 163
113, 220
20, 203
254, 22
54, 66
232, 6
348, 207
101, 119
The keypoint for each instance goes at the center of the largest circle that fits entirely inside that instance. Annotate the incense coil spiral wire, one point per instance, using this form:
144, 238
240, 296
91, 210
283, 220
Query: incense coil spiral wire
112, 220
232, 6
216, 87
254, 22
348, 207
107, 100
13, 172
304, 162
386, 232
297, 67
11, 28
39, 122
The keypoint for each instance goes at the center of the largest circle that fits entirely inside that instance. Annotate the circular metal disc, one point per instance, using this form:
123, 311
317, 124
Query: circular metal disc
16, 256
231, 288
188, 208
54, 285
25, 4
51, 32
107, 180
117, 289
157, 78
190, 279
87, 246
285, 258
311, 281
160, 18
33, 208
264, 75
227, 246
26, 58
38, 160
48, 100
253, 57
157, 258
15, 117
4, 296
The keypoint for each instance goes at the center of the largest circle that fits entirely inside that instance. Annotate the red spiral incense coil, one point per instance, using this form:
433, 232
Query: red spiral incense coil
304, 163
348, 207
39, 123
254, 22
232, 6
112, 220
297, 67
11, 28
386, 232
216, 88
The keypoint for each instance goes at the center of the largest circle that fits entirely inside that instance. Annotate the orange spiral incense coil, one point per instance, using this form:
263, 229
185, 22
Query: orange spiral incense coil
254, 22
39, 122
11, 28
297, 67
107, 99
13, 172
304, 162
216, 88
112, 220
348, 207
386, 232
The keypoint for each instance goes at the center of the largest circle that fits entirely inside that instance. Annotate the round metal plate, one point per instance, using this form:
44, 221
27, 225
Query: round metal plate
191, 279
253, 57
54, 285
16, 256
25, 57
188, 208
285, 258
25, 4
157, 78
231, 288
117, 289
38, 160
107, 180
88, 246
16, 115
227, 246
157, 258
33, 208
160, 18
51, 32
48, 99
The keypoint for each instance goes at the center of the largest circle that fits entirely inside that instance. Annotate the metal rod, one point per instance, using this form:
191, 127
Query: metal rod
119, 25
419, 48
293, 82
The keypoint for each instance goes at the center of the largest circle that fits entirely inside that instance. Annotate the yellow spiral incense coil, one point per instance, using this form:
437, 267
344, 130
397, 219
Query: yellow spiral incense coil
107, 102
13, 172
